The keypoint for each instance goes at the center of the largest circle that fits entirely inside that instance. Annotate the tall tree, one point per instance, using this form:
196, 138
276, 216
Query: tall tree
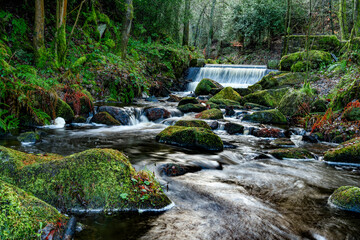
211, 30
186, 23
60, 45
197, 28
331, 18
342, 20
287, 27
126, 28
39, 43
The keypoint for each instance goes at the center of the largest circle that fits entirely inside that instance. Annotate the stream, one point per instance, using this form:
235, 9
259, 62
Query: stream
240, 193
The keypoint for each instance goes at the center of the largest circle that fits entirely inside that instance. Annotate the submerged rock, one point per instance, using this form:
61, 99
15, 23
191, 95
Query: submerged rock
190, 107
154, 114
204, 87
213, 114
268, 116
190, 137
347, 152
233, 128
23, 215
346, 198
173, 170
29, 137
294, 153
227, 93
99, 179
105, 118
192, 123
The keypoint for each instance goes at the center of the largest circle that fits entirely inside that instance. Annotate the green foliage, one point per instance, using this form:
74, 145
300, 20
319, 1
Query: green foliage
7, 121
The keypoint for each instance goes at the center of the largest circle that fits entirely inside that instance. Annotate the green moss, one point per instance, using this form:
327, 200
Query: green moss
192, 123
189, 137
79, 62
297, 60
61, 45
294, 153
227, 93
328, 43
268, 116
211, 114
23, 215
105, 118
27, 69
63, 110
29, 137
187, 100
93, 179
109, 43
205, 86
254, 88
255, 106
290, 103
267, 98
347, 152
223, 103
346, 198
352, 114
191, 108
349, 91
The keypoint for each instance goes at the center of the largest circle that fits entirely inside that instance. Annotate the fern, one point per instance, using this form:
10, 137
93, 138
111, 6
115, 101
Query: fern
7, 121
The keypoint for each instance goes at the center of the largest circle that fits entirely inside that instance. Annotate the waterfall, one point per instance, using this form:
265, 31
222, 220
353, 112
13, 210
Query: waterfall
236, 76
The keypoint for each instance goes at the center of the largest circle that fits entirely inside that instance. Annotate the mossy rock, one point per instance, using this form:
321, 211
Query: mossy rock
243, 91
23, 215
292, 153
93, 179
105, 118
204, 87
233, 128
255, 106
213, 114
291, 102
190, 137
282, 79
268, 98
192, 123
254, 88
187, 100
348, 152
63, 110
190, 107
283, 142
316, 60
223, 103
80, 119
213, 105
272, 116
227, 93
349, 91
352, 114
29, 137
346, 198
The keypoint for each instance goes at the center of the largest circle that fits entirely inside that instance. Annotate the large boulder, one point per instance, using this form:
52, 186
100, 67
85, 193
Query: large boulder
346, 198
105, 118
223, 103
190, 107
29, 137
205, 86
213, 114
268, 98
192, 123
282, 79
187, 100
190, 137
96, 179
292, 153
348, 152
296, 62
118, 113
233, 128
291, 102
272, 116
227, 93
154, 114
23, 215
63, 110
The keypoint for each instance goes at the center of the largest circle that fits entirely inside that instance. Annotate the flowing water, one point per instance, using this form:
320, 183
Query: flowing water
241, 193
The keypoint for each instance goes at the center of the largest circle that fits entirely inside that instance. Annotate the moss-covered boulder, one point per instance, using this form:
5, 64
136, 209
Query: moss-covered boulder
189, 137
297, 60
105, 118
190, 107
187, 100
352, 114
272, 116
255, 106
268, 98
213, 114
282, 79
347, 91
204, 87
94, 179
234, 128
348, 152
223, 103
292, 153
346, 198
291, 102
63, 110
29, 137
23, 215
192, 123
227, 93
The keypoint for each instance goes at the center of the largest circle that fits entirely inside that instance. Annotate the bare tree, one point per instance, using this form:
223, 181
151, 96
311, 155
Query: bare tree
39, 43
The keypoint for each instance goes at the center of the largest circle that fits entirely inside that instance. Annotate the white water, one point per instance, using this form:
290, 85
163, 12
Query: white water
236, 76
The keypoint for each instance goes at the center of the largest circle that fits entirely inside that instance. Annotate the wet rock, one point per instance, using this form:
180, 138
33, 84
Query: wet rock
255, 106
210, 114
188, 137
26, 212
192, 108
79, 119
174, 98
346, 198
192, 123
233, 128
173, 170
105, 118
309, 138
154, 114
346, 152
227, 93
29, 137
261, 156
151, 99
118, 113
204, 87
214, 125
267, 133
63, 110
93, 179
187, 100
229, 111
283, 142
268, 117
292, 153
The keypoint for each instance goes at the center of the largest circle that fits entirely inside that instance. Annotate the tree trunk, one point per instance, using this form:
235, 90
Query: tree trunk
60, 46
39, 24
186, 23
198, 25
211, 30
331, 18
126, 28
287, 28
354, 30
342, 20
